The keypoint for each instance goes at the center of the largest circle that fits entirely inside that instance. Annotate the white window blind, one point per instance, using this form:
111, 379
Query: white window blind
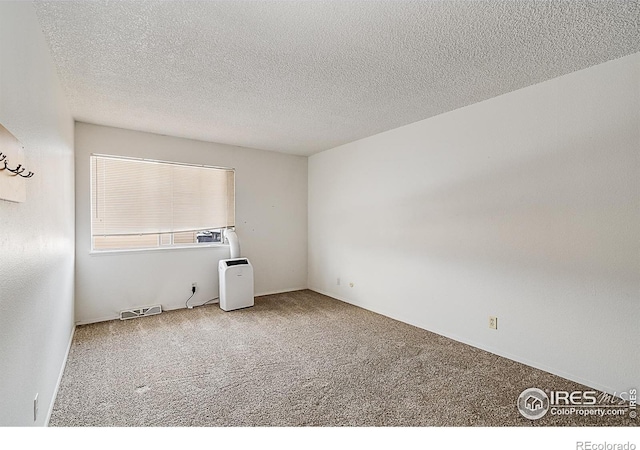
135, 203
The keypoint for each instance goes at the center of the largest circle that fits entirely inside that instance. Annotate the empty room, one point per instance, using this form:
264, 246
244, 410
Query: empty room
320, 214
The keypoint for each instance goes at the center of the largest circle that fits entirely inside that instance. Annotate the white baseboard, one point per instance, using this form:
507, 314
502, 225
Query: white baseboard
55, 391
100, 319
181, 306
517, 358
283, 291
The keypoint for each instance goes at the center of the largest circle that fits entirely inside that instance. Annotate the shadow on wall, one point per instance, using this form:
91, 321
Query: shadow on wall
566, 213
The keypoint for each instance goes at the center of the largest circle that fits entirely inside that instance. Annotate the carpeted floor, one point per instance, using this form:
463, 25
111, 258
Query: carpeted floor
294, 359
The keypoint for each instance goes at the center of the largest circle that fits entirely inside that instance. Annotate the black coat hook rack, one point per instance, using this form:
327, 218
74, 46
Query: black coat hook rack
18, 170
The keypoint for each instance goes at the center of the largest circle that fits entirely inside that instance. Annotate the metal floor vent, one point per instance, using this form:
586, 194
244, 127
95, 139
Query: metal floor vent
140, 312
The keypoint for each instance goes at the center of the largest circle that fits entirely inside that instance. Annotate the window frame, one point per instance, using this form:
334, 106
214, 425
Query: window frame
159, 247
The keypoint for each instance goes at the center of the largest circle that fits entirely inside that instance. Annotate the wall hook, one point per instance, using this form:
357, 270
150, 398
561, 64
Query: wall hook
18, 170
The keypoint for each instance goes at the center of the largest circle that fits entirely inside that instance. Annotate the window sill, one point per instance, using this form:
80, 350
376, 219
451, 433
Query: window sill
157, 249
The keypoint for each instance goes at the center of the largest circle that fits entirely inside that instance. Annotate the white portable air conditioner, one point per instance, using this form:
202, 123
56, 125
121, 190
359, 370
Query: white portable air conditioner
236, 283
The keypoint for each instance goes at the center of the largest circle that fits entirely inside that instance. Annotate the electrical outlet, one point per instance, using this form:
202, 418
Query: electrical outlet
194, 285
338, 281
35, 408
493, 323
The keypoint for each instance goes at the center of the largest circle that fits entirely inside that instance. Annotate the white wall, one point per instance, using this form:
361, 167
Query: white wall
271, 223
525, 207
37, 236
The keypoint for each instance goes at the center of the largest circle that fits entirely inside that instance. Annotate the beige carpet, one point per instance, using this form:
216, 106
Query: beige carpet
294, 359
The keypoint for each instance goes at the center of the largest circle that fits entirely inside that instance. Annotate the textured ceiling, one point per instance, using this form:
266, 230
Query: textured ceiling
304, 76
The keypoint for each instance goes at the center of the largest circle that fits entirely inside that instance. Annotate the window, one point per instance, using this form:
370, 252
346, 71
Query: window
137, 203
